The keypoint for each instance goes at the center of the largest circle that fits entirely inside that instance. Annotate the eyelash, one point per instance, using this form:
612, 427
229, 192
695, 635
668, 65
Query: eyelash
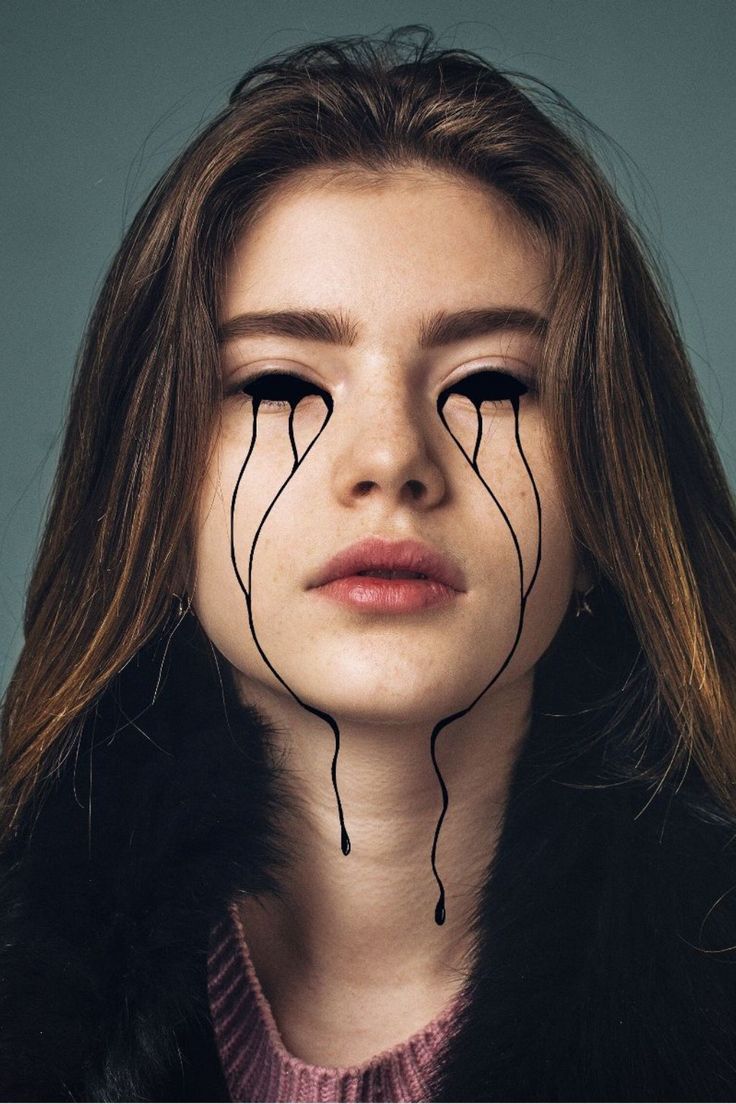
282, 380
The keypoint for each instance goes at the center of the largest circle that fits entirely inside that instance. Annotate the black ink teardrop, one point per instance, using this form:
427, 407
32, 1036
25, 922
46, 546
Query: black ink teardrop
345, 842
439, 911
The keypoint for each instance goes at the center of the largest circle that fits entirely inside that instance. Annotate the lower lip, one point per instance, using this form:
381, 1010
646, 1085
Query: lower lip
366, 592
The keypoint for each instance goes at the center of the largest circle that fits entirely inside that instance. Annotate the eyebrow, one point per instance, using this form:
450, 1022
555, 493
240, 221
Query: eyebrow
336, 328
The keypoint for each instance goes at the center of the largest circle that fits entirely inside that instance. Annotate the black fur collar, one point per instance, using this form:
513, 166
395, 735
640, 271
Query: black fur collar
601, 971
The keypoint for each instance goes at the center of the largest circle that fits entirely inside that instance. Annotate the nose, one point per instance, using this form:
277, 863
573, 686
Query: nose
386, 451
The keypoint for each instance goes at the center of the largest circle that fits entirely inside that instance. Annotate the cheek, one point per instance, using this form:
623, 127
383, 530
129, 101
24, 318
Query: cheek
251, 500
514, 466
508, 459
259, 461
549, 597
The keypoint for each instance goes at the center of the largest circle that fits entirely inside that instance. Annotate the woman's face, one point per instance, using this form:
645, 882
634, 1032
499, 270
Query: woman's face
382, 434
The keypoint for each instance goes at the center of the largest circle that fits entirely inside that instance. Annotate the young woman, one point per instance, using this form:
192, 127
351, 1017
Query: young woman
373, 737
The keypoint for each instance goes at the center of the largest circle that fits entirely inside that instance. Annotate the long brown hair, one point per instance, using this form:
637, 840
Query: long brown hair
646, 493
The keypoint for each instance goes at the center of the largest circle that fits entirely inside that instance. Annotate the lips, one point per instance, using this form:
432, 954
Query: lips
408, 558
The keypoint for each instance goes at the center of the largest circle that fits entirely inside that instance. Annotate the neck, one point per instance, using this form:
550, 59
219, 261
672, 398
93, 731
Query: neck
367, 918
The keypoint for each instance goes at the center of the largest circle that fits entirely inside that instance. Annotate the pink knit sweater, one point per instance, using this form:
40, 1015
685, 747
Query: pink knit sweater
257, 1065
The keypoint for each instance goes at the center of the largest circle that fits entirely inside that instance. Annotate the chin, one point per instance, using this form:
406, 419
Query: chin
384, 701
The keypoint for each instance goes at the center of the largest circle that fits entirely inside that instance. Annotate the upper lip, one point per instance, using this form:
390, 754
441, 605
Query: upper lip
389, 555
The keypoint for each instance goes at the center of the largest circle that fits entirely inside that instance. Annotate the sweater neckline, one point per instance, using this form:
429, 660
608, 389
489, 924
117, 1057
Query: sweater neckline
258, 1065
401, 1050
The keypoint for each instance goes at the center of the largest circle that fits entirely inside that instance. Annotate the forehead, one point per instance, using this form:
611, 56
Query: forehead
406, 240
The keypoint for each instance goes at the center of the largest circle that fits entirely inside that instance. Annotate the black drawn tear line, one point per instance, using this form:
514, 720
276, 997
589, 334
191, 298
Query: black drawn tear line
344, 837
345, 845
439, 914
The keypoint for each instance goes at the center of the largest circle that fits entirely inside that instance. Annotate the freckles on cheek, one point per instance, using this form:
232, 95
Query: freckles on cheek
503, 455
262, 506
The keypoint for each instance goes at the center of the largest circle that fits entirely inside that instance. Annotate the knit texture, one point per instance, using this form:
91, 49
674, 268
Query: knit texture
257, 1065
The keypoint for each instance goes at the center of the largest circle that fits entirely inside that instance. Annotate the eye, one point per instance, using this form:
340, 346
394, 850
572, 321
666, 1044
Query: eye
283, 390
487, 385
275, 389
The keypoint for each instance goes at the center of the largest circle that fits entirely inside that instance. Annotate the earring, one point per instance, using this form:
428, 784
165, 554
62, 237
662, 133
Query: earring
181, 609
581, 602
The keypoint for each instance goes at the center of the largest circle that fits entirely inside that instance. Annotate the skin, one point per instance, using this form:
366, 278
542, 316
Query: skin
357, 932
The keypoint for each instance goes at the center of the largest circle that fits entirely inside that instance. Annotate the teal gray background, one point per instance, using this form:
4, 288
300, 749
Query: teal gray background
97, 96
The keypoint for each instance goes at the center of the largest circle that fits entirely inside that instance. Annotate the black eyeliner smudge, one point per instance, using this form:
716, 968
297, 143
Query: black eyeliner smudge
471, 389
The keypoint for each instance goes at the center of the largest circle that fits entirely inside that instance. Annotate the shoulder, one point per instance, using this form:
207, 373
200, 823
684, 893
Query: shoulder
107, 899
606, 962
